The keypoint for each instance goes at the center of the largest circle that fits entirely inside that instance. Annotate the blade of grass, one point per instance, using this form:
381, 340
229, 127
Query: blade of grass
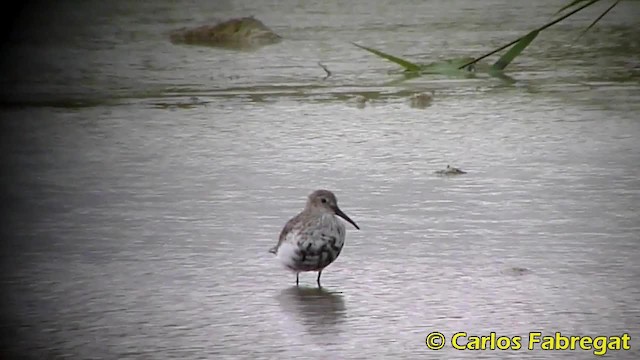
599, 17
507, 58
591, 2
502, 76
405, 77
404, 63
571, 4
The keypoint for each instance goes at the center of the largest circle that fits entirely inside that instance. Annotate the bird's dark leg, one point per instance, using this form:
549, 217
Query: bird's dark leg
319, 273
297, 281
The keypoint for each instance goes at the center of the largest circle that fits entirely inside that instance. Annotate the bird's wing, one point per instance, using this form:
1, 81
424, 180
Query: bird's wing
285, 231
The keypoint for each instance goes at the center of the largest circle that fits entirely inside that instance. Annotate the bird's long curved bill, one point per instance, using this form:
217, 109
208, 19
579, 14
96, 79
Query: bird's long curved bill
344, 216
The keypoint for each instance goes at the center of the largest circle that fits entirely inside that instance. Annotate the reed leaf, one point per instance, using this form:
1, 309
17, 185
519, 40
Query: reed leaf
599, 17
515, 50
545, 26
407, 65
501, 75
572, 4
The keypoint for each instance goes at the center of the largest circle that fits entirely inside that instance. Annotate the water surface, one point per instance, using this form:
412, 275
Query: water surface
144, 182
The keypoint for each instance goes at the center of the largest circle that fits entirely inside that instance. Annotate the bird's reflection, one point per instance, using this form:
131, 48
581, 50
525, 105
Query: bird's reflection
318, 309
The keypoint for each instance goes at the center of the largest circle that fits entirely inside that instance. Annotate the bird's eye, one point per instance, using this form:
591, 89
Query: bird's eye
324, 201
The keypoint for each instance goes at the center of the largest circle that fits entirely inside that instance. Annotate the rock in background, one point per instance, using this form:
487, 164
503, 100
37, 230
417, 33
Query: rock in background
246, 32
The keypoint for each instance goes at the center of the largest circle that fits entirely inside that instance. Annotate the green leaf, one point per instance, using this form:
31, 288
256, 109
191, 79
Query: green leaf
409, 66
572, 4
449, 67
545, 26
507, 58
405, 77
599, 17
501, 75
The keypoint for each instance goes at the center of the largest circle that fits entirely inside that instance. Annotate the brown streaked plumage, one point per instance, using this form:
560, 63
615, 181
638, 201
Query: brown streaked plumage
313, 239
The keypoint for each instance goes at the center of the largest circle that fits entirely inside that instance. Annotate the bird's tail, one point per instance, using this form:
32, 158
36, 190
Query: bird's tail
274, 250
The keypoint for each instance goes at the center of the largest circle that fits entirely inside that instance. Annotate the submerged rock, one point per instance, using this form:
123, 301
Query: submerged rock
450, 171
516, 271
421, 100
246, 32
361, 101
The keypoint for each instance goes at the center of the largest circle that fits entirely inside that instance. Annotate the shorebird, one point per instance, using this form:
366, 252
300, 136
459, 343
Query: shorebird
450, 171
313, 239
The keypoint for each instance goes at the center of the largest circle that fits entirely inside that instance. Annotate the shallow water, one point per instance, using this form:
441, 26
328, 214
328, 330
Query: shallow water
144, 182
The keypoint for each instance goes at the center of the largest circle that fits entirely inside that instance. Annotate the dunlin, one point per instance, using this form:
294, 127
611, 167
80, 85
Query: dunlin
313, 239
